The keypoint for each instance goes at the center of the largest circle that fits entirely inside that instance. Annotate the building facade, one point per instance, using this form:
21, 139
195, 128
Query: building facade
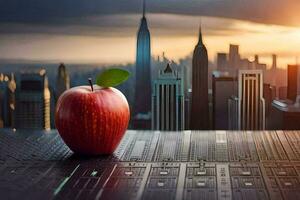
168, 101
224, 87
200, 109
33, 101
7, 100
251, 102
292, 82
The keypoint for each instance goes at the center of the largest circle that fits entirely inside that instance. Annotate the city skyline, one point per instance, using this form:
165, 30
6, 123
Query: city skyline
196, 102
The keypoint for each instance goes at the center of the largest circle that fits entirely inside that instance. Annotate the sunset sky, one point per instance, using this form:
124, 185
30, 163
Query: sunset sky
105, 31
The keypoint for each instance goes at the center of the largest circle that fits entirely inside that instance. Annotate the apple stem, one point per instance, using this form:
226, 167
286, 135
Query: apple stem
91, 84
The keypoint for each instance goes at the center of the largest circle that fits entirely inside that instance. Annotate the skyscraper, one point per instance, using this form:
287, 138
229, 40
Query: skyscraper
62, 80
33, 101
274, 61
292, 82
251, 101
168, 101
11, 86
223, 88
234, 56
199, 109
3, 87
7, 100
221, 61
142, 109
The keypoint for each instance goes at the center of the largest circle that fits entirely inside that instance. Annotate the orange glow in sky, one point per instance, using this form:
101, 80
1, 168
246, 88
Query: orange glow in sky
176, 41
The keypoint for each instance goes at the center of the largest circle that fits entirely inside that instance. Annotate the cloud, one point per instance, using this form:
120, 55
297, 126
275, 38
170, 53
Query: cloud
73, 12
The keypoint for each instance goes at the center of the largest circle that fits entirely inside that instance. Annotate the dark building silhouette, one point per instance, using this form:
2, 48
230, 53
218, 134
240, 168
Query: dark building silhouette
7, 100
33, 101
268, 95
222, 61
199, 110
62, 80
11, 88
274, 61
286, 111
142, 112
234, 56
292, 85
224, 88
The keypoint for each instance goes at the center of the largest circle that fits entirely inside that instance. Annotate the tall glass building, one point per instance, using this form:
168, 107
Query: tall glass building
142, 109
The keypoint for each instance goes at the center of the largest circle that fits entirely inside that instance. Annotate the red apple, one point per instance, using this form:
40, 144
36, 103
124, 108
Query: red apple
92, 120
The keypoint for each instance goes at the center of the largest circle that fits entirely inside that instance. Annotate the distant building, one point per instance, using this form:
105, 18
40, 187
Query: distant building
3, 99
256, 64
292, 82
249, 107
233, 110
33, 101
187, 109
285, 112
233, 62
274, 61
11, 89
224, 88
62, 80
2, 102
142, 108
200, 107
234, 56
222, 61
168, 101
7, 100
285, 115
269, 96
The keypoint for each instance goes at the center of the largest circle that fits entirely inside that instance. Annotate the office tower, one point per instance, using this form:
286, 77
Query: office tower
2, 99
62, 80
286, 111
7, 101
233, 110
292, 82
187, 109
168, 101
251, 104
3, 86
274, 61
256, 59
268, 96
223, 88
199, 110
221, 61
234, 56
33, 101
142, 109
11, 88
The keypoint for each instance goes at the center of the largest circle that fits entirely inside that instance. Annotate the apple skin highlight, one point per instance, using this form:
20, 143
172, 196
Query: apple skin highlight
92, 122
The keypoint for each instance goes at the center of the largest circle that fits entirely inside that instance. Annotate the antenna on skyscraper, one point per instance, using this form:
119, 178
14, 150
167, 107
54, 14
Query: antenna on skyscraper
200, 33
144, 7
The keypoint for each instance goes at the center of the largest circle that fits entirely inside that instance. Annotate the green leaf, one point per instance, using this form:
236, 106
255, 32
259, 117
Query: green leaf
112, 77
